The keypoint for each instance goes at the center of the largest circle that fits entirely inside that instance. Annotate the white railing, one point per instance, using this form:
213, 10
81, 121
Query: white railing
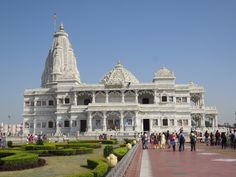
120, 169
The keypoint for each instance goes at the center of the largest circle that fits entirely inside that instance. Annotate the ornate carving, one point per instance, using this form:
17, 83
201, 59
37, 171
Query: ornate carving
119, 76
97, 114
164, 72
61, 62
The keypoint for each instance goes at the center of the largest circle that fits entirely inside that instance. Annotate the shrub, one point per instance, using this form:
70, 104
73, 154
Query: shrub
109, 141
79, 145
86, 174
101, 169
39, 147
107, 151
9, 143
62, 152
6, 153
85, 141
120, 152
40, 152
19, 160
39, 142
84, 150
128, 141
92, 163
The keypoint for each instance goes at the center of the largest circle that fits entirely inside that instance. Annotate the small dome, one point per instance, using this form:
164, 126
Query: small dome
119, 76
164, 73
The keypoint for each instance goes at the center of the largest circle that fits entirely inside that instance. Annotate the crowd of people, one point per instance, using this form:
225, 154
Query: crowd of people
172, 140
33, 138
221, 138
167, 139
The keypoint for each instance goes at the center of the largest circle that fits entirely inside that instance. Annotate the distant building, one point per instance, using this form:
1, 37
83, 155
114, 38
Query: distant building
11, 129
118, 103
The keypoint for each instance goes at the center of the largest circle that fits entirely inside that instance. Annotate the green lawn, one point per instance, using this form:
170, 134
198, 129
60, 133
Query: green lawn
57, 166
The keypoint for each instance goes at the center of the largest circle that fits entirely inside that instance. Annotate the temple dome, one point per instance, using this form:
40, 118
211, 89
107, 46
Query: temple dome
164, 73
164, 76
119, 76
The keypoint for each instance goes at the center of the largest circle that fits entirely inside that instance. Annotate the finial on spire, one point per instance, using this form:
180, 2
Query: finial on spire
119, 64
61, 27
54, 22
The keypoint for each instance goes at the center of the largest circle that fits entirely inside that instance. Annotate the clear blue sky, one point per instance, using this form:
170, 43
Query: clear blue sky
195, 39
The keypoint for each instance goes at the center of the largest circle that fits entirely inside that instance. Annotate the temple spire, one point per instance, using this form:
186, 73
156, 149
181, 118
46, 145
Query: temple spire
60, 66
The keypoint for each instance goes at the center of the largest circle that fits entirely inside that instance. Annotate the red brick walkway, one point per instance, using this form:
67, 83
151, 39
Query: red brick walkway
166, 163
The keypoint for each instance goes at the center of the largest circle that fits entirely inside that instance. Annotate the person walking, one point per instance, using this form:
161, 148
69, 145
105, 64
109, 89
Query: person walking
181, 141
193, 140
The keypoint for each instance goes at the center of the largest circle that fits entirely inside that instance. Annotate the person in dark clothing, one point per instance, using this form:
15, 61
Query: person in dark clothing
217, 136
223, 140
206, 134
211, 139
193, 140
181, 141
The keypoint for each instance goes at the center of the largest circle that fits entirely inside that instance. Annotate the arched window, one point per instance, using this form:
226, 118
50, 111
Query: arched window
50, 124
145, 101
87, 101
66, 123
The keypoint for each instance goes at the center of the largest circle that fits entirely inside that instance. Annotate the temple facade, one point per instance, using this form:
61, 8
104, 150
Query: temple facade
119, 103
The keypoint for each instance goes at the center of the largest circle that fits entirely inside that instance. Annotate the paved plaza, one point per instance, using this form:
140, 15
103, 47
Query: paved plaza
166, 163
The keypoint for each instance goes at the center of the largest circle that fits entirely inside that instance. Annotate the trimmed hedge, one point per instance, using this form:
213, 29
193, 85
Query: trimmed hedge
112, 141
40, 152
129, 141
19, 160
62, 152
39, 147
120, 152
84, 150
79, 145
99, 167
85, 174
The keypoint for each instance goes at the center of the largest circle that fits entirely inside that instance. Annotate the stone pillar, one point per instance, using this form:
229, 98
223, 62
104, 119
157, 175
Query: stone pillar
150, 122
121, 121
104, 125
107, 96
216, 121
122, 96
203, 121
75, 99
155, 97
35, 122
136, 96
89, 122
202, 99
93, 97
136, 125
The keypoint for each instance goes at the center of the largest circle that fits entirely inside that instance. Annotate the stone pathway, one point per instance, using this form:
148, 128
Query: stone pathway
166, 163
